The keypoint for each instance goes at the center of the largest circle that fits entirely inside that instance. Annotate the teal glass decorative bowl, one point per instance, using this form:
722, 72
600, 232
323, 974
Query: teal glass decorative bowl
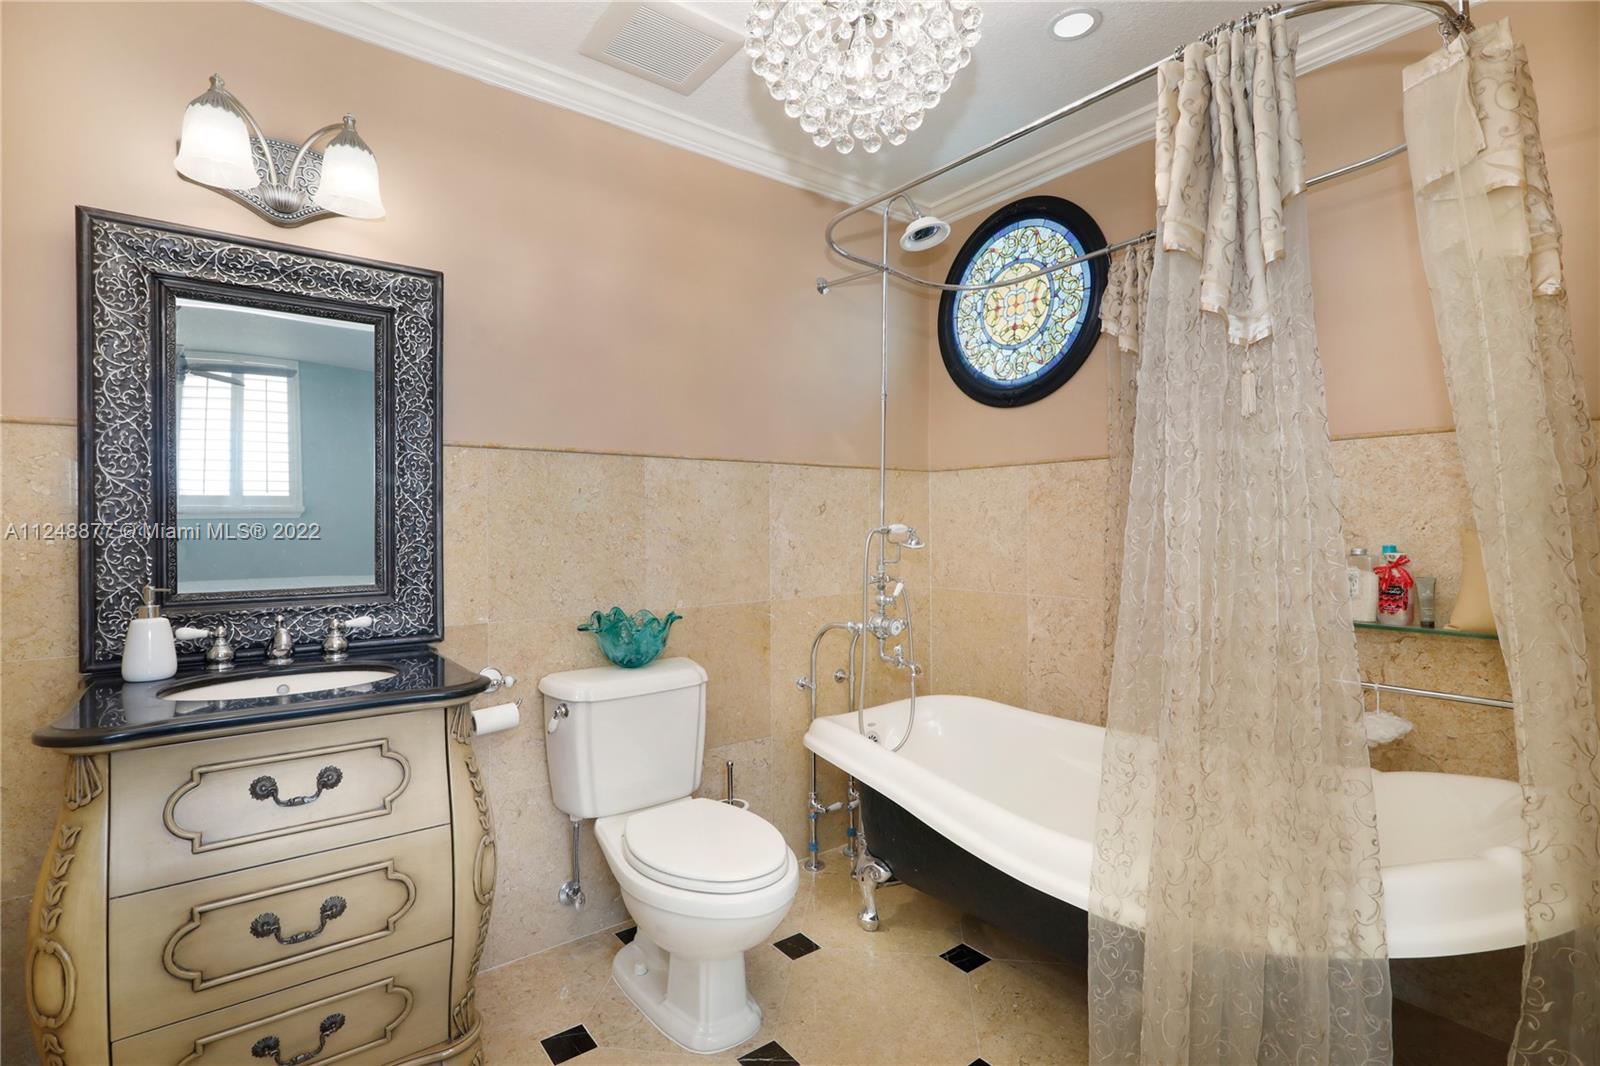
630, 642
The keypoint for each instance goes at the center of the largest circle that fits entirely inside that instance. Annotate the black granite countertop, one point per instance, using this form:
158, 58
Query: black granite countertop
112, 712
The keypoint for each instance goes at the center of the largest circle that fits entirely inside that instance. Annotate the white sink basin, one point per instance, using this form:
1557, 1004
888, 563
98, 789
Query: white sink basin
249, 688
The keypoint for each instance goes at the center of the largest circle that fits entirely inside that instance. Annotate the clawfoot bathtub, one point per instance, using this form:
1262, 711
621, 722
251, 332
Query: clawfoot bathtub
992, 809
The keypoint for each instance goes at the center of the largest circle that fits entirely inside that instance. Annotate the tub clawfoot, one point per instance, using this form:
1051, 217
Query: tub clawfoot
869, 875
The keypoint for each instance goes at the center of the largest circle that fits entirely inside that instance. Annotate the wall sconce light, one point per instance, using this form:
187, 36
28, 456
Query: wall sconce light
287, 184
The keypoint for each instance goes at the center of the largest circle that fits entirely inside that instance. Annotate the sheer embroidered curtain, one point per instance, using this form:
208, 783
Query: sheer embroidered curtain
1236, 899
1492, 251
1121, 316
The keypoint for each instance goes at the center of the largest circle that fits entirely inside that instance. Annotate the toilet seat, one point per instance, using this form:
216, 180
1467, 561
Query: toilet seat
701, 845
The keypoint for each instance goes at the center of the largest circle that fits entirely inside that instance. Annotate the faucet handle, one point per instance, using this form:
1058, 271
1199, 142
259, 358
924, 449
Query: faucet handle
191, 633
219, 654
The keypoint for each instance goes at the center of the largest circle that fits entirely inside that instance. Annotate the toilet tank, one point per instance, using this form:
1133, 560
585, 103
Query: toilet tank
630, 738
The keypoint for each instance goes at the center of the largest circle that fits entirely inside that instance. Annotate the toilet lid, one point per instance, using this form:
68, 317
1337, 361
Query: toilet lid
705, 846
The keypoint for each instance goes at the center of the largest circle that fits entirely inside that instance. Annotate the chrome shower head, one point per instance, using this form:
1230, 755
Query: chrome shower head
924, 232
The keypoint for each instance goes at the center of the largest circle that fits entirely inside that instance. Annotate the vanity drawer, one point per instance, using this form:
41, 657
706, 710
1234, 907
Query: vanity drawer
191, 948
186, 811
378, 1013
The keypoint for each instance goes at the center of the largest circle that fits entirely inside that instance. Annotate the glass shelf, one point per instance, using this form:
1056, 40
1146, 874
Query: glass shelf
1469, 634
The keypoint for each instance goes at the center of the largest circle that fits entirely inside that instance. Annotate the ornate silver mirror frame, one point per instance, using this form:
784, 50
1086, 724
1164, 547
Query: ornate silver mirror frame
127, 269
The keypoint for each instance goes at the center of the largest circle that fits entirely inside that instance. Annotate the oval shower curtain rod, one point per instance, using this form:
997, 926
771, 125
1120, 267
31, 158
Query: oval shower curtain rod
1453, 20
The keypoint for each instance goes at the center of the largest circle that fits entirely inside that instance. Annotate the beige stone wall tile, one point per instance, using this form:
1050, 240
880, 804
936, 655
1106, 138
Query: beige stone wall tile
980, 644
567, 534
1066, 529
794, 623
468, 646
1409, 491
981, 517
706, 539
469, 570
820, 519
752, 774
37, 692
732, 643
16, 1036
1066, 658
908, 502
1448, 737
533, 847
528, 651
37, 577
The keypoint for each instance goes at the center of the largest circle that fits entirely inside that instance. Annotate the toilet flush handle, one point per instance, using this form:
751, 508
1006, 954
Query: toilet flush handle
556, 716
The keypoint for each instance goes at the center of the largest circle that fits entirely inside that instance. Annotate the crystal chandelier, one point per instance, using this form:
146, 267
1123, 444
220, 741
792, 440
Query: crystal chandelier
860, 71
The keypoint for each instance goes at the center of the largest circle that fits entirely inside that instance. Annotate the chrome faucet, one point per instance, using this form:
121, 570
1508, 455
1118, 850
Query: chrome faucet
281, 648
336, 646
219, 653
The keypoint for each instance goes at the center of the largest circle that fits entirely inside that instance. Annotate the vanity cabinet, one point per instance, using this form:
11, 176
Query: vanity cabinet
309, 890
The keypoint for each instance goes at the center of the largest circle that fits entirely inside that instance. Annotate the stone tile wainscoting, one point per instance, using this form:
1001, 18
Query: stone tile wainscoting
756, 557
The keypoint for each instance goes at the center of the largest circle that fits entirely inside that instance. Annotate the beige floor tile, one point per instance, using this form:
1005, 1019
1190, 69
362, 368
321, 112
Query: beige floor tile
912, 923
998, 944
849, 1007
1031, 1013
543, 994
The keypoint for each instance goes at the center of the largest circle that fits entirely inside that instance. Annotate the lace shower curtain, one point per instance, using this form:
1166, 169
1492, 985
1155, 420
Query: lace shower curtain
1492, 251
1121, 316
1236, 899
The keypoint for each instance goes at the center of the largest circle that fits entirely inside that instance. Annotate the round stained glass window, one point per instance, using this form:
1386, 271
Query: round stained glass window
1017, 344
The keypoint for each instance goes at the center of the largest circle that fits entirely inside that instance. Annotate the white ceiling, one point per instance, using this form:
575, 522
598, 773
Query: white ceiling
1018, 72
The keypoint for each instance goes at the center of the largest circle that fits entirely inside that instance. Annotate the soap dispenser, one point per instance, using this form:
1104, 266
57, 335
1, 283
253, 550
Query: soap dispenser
149, 653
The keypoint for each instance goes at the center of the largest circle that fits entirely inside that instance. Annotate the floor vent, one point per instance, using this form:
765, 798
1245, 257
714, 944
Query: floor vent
662, 42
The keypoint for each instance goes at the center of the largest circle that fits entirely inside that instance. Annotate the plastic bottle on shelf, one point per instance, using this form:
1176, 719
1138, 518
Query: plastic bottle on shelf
1397, 601
1363, 587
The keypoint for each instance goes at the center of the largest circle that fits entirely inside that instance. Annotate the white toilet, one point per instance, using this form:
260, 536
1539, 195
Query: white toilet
705, 881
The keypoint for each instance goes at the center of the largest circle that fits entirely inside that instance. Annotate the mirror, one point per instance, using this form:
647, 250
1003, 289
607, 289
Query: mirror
259, 433
274, 449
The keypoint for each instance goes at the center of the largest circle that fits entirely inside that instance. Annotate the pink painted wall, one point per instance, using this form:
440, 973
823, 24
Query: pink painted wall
1373, 313
603, 291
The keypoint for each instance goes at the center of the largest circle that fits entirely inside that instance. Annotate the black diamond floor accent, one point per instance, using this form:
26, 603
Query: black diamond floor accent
627, 935
964, 958
768, 1054
568, 1044
978, 1062
797, 946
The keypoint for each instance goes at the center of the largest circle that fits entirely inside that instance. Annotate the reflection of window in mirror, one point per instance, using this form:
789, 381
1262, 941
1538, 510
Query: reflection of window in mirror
238, 435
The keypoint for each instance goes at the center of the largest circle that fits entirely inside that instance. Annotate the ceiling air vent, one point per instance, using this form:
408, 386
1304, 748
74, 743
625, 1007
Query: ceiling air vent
662, 42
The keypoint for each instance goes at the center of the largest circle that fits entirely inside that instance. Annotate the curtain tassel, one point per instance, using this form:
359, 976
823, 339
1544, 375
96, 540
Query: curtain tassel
1247, 389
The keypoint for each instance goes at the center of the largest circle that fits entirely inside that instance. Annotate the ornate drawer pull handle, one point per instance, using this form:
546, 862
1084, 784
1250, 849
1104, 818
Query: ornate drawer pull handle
266, 788
266, 925
268, 1047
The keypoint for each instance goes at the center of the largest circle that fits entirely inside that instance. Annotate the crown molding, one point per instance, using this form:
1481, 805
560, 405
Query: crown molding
390, 26
1360, 31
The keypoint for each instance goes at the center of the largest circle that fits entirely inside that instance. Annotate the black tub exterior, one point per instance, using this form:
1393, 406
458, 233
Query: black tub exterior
930, 862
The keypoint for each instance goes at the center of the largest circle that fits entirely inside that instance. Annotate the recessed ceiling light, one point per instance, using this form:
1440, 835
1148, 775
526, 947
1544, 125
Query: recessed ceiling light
1074, 23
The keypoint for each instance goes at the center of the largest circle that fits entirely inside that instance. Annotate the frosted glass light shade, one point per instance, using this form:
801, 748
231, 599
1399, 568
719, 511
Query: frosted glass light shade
214, 148
349, 184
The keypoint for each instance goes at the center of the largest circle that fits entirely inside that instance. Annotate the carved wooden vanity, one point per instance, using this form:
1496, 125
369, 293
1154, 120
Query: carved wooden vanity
290, 880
